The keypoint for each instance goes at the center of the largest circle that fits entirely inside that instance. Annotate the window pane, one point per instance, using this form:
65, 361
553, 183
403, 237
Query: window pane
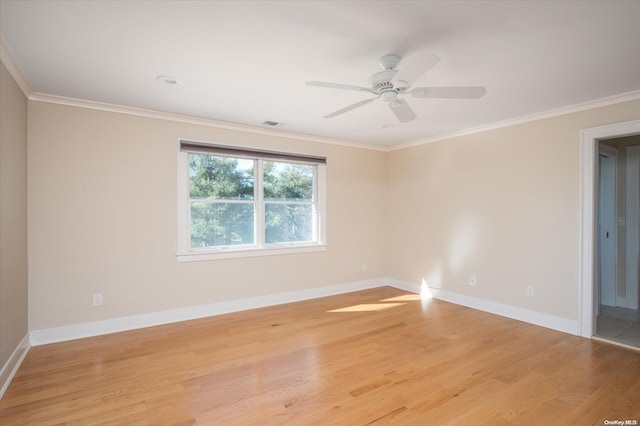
288, 181
220, 177
288, 223
221, 224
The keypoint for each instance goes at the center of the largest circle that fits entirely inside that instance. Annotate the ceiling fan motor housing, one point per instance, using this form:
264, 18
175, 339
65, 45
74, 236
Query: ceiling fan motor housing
381, 83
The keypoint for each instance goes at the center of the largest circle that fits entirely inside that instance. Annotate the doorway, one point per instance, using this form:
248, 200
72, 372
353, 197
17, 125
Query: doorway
590, 291
618, 235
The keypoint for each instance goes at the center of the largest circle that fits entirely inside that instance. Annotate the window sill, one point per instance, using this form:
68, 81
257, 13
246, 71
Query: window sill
253, 252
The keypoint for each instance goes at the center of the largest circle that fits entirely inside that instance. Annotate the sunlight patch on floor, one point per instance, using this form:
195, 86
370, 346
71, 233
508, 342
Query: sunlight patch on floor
366, 307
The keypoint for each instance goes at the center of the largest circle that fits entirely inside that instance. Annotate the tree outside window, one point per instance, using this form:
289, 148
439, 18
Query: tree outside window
237, 202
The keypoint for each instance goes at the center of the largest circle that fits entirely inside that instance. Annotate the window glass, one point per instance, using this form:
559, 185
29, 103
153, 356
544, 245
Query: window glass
221, 224
220, 177
288, 181
288, 223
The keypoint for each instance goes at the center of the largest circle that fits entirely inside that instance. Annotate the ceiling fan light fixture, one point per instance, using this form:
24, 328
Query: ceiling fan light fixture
389, 96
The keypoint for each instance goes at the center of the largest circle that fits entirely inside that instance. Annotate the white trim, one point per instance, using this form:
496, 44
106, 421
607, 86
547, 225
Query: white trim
141, 112
614, 343
564, 325
253, 252
588, 167
147, 113
10, 368
321, 204
259, 227
77, 331
584, 106
586, 224
403, 285
7, 59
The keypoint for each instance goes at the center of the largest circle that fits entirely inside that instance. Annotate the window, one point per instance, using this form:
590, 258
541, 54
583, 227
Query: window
237, 202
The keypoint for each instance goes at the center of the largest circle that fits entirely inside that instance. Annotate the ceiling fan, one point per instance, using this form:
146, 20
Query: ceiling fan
391, 82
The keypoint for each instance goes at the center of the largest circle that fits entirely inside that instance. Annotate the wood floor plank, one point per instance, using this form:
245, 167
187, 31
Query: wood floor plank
375, 357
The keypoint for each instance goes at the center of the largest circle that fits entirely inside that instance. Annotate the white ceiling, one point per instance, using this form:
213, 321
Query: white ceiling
247, 62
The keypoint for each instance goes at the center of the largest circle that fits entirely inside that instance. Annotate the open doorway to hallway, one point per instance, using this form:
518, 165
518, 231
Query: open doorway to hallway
618, 240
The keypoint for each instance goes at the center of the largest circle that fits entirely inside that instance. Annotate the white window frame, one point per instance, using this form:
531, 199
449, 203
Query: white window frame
186, 254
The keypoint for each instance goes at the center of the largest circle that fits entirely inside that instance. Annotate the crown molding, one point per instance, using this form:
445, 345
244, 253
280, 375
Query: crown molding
7, 59
141, 112
147, 113
584, 106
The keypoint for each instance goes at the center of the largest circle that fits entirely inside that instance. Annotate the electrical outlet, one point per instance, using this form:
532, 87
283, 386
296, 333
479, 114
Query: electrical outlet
364, 267
472, 280
530, 291
97, 299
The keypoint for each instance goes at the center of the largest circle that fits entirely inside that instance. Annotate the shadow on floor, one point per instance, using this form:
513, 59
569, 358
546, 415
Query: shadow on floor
619, 324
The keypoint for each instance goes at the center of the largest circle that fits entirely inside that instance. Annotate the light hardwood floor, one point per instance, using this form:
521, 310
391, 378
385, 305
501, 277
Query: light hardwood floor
373, 357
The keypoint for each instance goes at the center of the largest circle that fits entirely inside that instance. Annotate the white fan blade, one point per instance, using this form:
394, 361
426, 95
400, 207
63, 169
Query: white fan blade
415, 67
339, 86
350, 107
402, 110
468, 92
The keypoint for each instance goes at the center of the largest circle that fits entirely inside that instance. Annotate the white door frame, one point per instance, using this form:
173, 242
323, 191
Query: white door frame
587, 215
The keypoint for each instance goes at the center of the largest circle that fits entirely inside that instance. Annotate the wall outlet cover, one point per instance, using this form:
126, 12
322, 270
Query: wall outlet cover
97, 299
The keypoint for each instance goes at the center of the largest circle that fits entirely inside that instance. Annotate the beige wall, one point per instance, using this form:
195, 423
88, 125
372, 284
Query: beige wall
13, 215
103, 219
501, 205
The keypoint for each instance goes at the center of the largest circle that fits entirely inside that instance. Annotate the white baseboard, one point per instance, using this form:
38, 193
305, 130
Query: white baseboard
403, 285
532, 317
96, 328
10, 368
